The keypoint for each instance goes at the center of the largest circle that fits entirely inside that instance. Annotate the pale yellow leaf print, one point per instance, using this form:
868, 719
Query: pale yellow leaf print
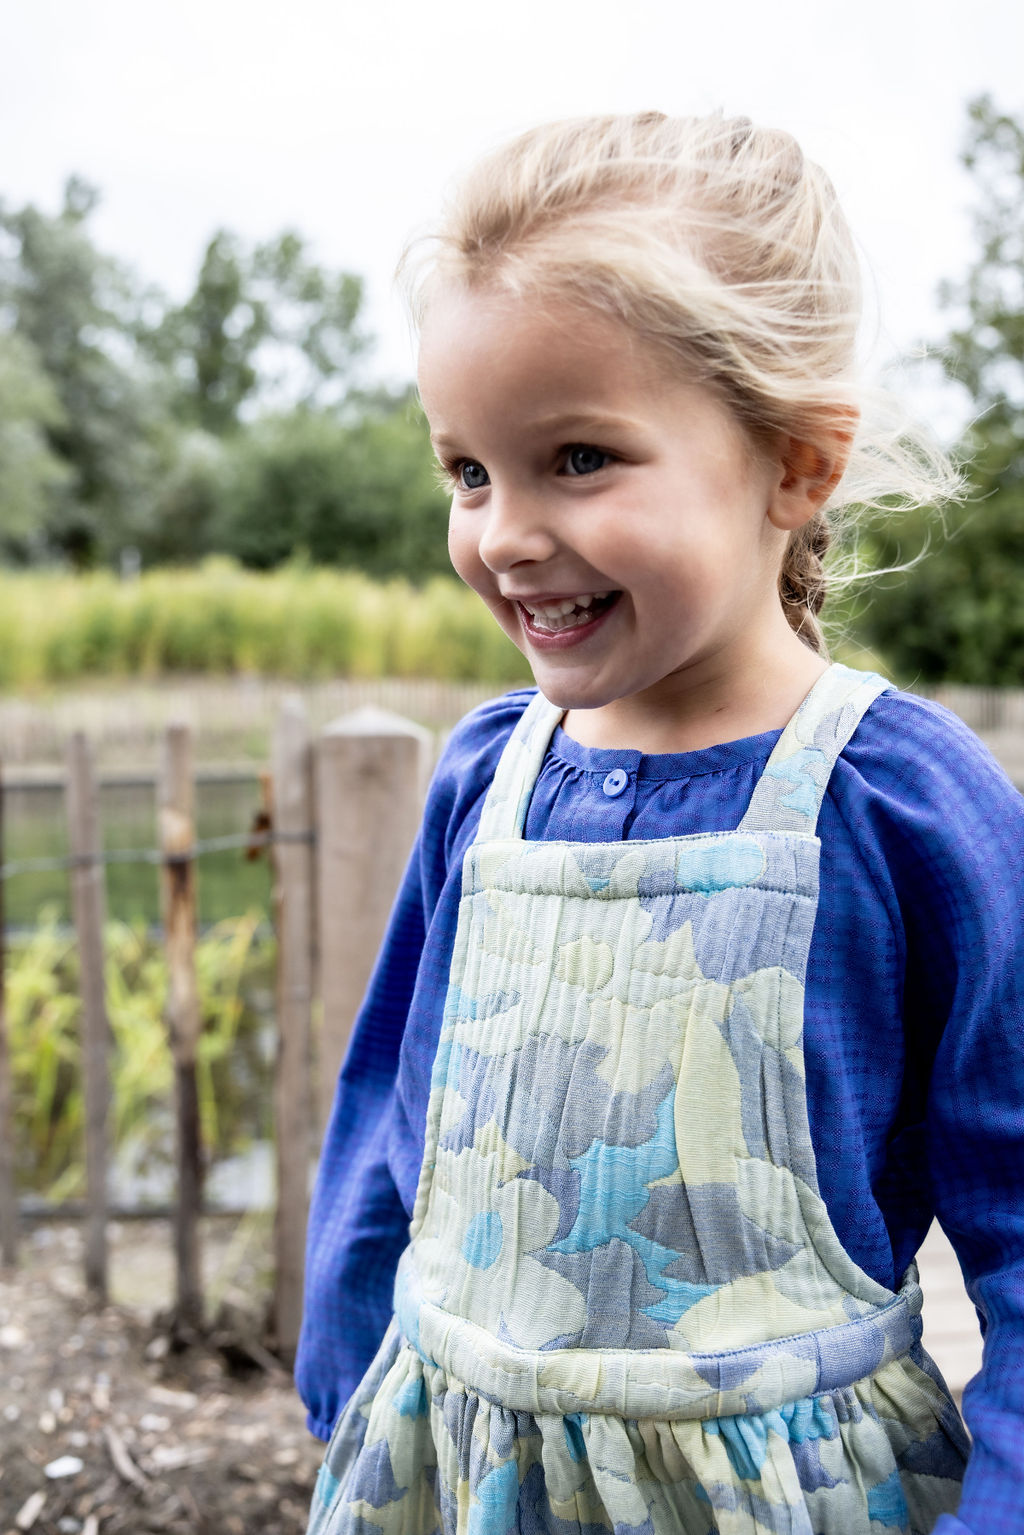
585, 963
776, 1002
674, 956
639, 1041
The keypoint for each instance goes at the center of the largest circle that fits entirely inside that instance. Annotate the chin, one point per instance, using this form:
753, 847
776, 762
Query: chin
564, 695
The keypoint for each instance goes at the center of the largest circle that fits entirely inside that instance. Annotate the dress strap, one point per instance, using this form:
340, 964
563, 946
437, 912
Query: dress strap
504, 812
788, 795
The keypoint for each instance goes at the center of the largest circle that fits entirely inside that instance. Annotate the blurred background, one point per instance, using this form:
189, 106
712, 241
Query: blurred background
202, 357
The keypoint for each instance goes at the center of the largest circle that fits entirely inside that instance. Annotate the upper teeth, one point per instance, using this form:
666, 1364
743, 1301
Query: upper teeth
563, 608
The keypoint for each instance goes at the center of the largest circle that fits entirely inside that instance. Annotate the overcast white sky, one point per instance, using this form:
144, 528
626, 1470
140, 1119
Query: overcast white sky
346, 118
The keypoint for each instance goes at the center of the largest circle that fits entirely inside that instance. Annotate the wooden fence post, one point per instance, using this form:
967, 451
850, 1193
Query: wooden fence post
176, 816
88, 899
370, 774
292, 813
8, 1191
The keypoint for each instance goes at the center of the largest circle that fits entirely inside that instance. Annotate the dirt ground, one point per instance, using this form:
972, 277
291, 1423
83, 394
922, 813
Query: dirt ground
106, 1428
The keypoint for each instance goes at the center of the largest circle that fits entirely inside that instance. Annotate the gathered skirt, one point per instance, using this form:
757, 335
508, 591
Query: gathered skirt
418, 1452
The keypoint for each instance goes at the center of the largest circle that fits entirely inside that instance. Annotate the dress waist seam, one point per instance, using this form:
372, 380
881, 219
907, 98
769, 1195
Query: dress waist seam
665, 1383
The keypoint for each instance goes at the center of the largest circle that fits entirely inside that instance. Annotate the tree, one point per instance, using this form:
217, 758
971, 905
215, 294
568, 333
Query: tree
31, 474
266, 327
358, 490
987, 354
124, 404
959, 612
188, 500
78, 315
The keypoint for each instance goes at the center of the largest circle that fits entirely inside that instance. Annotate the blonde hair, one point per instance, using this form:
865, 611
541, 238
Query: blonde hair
719, 243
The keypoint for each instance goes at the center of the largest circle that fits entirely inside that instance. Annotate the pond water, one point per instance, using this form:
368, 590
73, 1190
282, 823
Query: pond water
35, 826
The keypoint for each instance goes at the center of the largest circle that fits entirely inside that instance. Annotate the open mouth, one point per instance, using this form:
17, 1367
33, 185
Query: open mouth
568, 613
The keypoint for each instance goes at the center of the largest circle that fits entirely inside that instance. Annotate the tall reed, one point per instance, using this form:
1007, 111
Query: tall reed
299, 621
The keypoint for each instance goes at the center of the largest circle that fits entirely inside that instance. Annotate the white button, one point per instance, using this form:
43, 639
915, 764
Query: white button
615, 783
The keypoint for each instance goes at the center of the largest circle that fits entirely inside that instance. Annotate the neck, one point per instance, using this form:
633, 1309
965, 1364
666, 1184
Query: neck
705, 705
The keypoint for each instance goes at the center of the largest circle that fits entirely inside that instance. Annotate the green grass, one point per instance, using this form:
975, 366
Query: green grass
300, 622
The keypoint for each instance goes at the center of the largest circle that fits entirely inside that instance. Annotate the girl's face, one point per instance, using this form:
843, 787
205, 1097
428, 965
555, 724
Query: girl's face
615, 518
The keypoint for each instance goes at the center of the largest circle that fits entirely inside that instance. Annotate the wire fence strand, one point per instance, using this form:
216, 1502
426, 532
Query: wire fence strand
250, 841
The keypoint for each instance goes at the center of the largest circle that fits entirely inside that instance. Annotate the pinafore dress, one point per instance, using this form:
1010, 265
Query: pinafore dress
623, 1306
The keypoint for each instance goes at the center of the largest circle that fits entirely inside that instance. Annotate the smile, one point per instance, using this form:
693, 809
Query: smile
566, 612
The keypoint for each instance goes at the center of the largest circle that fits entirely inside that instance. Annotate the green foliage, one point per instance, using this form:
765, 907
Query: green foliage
188, 500
297, 622
228, 424
217, 334
261, 324
359, 492
44, 1023
113, 403
987, 354
80, 313
31, 475
958, 613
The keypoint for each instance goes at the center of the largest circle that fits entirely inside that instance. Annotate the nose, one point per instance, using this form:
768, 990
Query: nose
516, 530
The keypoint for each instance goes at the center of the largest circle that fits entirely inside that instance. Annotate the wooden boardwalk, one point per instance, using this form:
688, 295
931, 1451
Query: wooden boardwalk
951, 1332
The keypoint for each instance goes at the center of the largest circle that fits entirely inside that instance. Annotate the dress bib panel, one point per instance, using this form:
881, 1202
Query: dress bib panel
623, 1305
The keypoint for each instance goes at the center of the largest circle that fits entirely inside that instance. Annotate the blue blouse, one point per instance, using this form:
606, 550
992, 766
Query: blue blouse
913, 1037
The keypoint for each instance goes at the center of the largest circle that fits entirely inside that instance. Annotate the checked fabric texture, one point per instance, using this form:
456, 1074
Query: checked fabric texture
623, 1306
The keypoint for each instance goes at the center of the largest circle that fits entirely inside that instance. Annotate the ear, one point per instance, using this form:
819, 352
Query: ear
810, 472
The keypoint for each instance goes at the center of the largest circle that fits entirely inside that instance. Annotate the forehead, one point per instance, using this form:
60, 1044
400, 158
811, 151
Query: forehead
476, 343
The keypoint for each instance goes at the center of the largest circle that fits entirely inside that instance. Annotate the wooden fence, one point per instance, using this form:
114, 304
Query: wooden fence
340, 815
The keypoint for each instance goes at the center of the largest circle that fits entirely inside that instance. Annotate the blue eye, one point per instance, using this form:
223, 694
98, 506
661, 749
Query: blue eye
582, 459
471, 475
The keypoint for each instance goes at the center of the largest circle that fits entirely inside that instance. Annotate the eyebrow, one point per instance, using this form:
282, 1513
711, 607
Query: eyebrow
584, 421
569, 424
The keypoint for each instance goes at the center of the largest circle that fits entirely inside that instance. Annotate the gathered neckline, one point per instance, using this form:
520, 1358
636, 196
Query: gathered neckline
664, 765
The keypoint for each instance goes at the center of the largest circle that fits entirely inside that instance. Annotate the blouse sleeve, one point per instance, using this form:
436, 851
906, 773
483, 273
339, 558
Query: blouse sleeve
359, 1221
965, 1009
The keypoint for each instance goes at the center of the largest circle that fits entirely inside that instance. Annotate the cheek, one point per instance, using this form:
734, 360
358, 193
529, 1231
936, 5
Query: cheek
458, 546
464, 553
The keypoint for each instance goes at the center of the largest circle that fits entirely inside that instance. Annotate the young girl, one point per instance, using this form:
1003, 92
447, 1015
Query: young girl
670, 1107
